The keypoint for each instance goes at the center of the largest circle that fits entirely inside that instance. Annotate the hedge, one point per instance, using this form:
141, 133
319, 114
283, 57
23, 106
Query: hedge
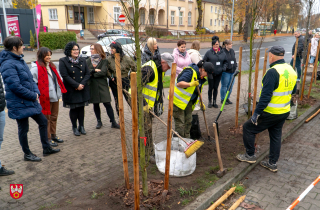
56, 40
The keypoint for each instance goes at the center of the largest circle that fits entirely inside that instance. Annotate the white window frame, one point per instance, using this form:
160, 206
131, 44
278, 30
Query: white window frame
216, 10
219, 23
210, 22
53, 14
211, 9
215, 22
180, 18
116, 14
172, 17
223, 23
189, 18
223, 11
90, 15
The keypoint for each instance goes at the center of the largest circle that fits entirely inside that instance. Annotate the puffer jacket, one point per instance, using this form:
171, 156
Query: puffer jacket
21, 90
195, 56
147, 56
232, 61
219, 61
314, 46
300, 46
126, 65
2, 95
180, 60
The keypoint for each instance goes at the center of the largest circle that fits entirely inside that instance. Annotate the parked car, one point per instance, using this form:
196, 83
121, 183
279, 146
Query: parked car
208, 31
115, 32
128, 46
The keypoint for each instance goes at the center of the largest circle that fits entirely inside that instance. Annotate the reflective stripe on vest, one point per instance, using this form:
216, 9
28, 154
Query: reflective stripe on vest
149, 91
281, 97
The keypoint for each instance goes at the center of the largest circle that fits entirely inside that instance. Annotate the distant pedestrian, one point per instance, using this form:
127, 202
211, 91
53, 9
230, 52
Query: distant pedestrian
298, 35
194, 53
127, 65
99, 88
22, 96
181, 56
314, 47
309, 36
151, 52
292, 31
51, 87
75, 74
219, 60
231, 68
275, 31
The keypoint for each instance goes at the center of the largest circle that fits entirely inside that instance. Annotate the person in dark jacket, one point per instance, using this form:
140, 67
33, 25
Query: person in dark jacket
219, 60
22, 96
231, 68
151, 52
298, 35
99, 88
75, 74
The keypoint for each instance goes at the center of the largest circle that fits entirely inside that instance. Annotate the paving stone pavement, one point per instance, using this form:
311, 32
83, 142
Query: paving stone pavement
85, 163
298, 167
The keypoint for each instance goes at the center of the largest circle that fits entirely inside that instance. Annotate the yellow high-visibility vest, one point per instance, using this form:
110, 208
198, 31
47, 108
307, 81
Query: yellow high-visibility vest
182, 96
149, 91
280, 100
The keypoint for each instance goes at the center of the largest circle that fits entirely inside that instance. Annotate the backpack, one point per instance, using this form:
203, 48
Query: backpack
195, 132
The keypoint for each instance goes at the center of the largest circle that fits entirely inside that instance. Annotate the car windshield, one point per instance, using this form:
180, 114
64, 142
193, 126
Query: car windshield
105, 42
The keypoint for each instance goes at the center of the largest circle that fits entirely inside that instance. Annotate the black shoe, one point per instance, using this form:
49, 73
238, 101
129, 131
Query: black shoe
50, 151
99, 124
229, 101
210, 104
267, 165
246, 158
115, 125
31, 157
5, 172
215, 104
52, 143
82, 130
57, 139
76, 132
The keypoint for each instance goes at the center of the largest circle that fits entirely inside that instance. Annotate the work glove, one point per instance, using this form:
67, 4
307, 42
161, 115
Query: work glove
146, 108
254, 118
194, 83
202, 107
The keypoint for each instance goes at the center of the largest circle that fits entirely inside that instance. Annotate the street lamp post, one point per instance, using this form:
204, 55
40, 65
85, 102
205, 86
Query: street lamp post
5, 18
232, 20
179, 8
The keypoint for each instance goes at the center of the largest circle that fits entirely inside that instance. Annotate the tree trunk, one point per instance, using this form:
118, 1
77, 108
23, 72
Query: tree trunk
251, 63
246, 24
199, 5
240, 28
143, 164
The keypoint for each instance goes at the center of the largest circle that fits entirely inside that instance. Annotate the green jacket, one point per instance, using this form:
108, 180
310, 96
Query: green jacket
99, 88
126, 64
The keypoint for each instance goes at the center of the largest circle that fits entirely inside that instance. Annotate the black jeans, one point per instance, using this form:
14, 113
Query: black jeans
77, 114
125, 85
213, 87
97, 111
23, 128
274, 124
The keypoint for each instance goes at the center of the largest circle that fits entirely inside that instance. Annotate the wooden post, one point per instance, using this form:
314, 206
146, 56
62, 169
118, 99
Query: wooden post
216, 138
239, 84
265, 62
223, 198
134, 104
256, 75
305, 72
169, 126
315, 67
295, 54
237, 203
121, 118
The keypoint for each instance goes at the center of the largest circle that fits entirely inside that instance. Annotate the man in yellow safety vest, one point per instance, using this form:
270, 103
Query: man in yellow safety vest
272, 110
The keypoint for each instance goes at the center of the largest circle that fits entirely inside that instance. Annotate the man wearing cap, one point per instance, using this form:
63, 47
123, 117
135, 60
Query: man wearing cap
186, 94
152, 80
272, 110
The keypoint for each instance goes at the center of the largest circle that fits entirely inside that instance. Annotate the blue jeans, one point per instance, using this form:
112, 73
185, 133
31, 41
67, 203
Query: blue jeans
312, 58
2, 124
225, 83
298, 66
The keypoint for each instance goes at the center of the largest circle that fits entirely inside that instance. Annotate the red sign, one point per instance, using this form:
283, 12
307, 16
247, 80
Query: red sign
16, 190
122, 18
13, 24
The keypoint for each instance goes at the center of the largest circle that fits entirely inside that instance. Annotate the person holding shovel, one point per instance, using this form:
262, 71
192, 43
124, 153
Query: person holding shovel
272, 110
186, 94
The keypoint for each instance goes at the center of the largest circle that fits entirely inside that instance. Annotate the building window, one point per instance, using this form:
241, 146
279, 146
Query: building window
216, 10
151, 17
180, 18
116, 14
223, 23
215, 22
223, 11
219, 10
90, 15
189, 18
211, 9
172, 17
53, 14
210, 22
219, 23
142, 17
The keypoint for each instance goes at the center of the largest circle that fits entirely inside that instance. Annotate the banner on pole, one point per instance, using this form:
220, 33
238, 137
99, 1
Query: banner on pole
13, 24
38, 12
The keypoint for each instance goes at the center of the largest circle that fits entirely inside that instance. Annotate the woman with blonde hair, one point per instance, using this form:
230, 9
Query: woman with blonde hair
194, 52
314, 47
151, 52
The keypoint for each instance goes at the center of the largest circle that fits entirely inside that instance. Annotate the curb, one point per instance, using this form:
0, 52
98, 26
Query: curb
215, 191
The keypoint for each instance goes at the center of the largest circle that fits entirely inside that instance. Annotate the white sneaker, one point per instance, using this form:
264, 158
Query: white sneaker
197, 107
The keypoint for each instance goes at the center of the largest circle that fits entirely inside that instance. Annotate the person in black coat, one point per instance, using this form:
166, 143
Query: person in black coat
298, 35
219, 60
151, 52
75, 74
231, 68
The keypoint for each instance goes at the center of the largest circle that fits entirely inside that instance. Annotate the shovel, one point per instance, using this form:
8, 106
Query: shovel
225, 99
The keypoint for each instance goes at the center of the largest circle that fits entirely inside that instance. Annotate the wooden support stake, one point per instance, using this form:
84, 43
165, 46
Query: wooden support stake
315, 67
305, 72
121, 118
169, 126
134, 106
221, 199
256, 75
217, 146
295, 54
265, 62
237, 203
315, 114
239, 84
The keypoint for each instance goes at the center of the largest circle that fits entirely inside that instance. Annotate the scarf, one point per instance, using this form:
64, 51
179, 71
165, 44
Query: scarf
74, 61
43, 85
95, 59
182, 53
215, 51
